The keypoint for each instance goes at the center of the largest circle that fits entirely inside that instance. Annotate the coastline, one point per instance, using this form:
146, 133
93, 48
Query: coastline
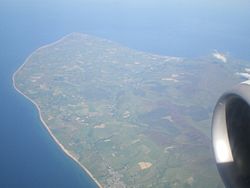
40, 113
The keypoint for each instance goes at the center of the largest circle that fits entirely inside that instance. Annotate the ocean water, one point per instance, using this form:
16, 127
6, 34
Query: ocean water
28, 156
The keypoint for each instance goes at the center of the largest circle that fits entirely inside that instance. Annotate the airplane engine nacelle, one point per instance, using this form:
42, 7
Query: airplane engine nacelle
231, 136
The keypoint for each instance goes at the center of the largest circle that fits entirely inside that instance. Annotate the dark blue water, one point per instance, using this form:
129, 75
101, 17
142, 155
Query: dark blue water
28, 156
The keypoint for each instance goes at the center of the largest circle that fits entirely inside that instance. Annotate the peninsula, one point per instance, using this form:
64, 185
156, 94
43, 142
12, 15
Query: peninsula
128, 118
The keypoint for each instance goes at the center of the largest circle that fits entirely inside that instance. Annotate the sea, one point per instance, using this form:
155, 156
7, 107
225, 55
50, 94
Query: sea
29, 158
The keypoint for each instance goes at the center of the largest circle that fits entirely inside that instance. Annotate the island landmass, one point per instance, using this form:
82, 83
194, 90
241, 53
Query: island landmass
129, 118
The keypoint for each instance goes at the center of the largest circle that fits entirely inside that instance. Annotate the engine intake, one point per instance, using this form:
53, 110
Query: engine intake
231, 136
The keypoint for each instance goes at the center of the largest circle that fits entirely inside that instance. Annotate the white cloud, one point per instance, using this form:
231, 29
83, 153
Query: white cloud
244, 75
220, 56
247, 70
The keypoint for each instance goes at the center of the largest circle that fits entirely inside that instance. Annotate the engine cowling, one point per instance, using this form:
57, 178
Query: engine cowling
231, 136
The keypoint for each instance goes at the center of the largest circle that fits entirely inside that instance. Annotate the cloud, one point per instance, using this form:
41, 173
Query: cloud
243, 75
220, 56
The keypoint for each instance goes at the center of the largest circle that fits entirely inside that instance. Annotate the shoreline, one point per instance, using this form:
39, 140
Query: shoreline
40, 113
